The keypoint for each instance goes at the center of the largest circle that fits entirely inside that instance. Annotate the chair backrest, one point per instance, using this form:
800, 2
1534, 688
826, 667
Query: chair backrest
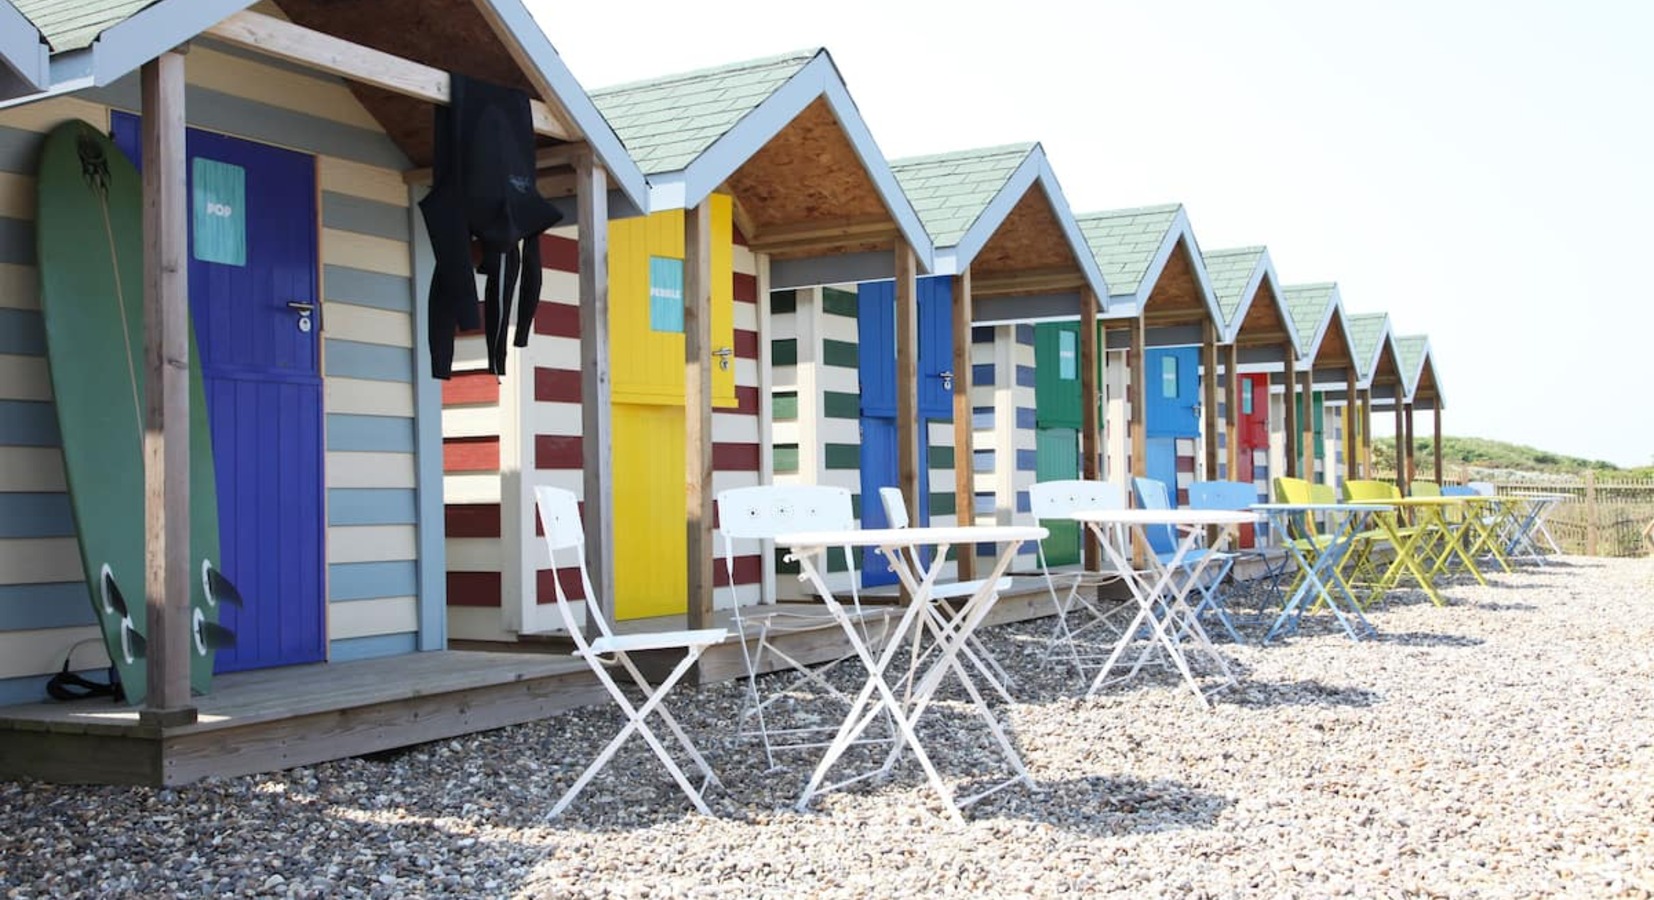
1322, 493
1484, 488
1291, 490
761, 512
1425, 489
895, 508
1456, 490
560, 520
1222, 495
1064, 497
1359, 491
1153, 494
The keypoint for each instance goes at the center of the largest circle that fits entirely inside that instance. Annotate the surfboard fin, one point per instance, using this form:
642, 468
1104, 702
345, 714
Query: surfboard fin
222, 590
215, 636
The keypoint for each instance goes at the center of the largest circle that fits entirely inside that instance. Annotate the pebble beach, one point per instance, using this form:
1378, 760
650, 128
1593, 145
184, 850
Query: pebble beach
1502, 746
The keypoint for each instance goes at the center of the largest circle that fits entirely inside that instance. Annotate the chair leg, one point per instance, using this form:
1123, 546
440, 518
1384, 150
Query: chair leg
635, 722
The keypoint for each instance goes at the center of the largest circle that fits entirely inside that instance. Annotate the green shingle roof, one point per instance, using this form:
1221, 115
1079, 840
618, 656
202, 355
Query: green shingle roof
1229, 271
1410, 355
74, 24
1126, 240
667, 122
951, 190
1365, 330
1305, 304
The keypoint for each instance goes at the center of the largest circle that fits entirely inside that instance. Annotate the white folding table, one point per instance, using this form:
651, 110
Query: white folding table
949, 633
1161, 595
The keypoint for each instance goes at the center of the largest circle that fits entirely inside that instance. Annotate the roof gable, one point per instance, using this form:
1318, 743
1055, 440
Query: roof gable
1310, 307
1126, 242
1233, 275
950, 191
1367, 334
666, 123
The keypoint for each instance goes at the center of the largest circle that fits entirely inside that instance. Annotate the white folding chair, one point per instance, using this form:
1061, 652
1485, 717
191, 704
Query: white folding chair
1059, 500
560, 519
758, 514
895, 512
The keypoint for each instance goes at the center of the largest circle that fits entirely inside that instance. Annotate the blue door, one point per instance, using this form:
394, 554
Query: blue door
255, 306
1173, 391
876, 337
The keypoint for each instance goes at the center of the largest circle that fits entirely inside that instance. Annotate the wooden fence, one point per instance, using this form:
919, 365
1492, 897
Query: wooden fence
1604, 515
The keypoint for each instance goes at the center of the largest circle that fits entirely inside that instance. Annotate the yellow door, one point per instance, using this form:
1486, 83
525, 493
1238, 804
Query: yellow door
647, 383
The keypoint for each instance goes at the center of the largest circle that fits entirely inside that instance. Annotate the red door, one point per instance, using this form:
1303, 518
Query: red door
1252, 442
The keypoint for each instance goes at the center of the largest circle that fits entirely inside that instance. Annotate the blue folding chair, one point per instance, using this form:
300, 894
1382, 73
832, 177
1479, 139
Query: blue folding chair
1152, 494
1239, 495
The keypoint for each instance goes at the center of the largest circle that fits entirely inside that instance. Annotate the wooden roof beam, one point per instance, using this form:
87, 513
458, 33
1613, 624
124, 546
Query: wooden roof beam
308, 47
804, 236
1046, 281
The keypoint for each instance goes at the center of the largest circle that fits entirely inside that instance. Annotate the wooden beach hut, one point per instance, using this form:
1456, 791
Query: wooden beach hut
750, 167
1163, 327
326, 421
1375, 369
1317, 313
1421, 389
1260, 345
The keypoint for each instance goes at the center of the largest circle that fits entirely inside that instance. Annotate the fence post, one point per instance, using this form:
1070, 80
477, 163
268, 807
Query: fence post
1590, 512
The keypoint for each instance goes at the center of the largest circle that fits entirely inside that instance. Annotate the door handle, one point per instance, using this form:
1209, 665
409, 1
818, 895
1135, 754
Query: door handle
305, 311
947, 379
724, 354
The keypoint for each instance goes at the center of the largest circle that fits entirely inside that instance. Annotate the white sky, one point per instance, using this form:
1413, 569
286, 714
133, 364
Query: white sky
1481, 170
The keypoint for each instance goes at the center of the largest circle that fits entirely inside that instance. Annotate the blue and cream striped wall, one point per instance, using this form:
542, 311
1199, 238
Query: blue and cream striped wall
384, 568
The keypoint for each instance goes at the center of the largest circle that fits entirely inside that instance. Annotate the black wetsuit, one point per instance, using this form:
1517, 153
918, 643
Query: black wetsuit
484, 189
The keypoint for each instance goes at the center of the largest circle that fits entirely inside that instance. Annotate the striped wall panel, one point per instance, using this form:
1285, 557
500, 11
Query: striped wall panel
369, 386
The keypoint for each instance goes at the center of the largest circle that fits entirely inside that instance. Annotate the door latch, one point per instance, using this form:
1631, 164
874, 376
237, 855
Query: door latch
305, 311
724, 354
947, 379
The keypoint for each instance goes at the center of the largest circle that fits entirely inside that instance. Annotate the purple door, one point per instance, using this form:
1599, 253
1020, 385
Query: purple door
255, 306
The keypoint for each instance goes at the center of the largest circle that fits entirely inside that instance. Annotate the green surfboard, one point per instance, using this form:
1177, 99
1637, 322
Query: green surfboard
90, 251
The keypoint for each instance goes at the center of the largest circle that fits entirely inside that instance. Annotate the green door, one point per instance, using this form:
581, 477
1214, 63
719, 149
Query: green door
1057, 457
1057, 425
1319, 432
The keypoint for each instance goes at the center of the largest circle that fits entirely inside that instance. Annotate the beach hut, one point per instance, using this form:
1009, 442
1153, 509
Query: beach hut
750, 166
1001, 223
1005, 243
1375, 369
1259, 342
1318, 319
1421, 389
282, 156
1165, 332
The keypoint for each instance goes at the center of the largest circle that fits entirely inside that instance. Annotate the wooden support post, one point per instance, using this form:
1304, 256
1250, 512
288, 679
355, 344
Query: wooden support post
1408, 473
907, 384
697, 413
964, 468
1231, 422
1367, 433
1350, 442
166, 395
1209, 399
1307, 425
1401, 442
1091, 553
1289, 381
1436, 440
597, 476
1139, 394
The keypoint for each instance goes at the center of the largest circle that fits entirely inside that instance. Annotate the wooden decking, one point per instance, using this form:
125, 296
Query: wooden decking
281, 718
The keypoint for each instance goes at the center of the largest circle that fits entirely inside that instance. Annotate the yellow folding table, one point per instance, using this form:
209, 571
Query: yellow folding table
1414, 546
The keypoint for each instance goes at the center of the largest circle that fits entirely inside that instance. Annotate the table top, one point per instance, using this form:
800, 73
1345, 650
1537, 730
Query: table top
1319, 507
1166, 516
910, 537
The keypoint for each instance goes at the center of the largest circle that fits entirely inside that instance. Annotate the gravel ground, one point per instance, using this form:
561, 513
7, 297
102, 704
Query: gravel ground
1503, 746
